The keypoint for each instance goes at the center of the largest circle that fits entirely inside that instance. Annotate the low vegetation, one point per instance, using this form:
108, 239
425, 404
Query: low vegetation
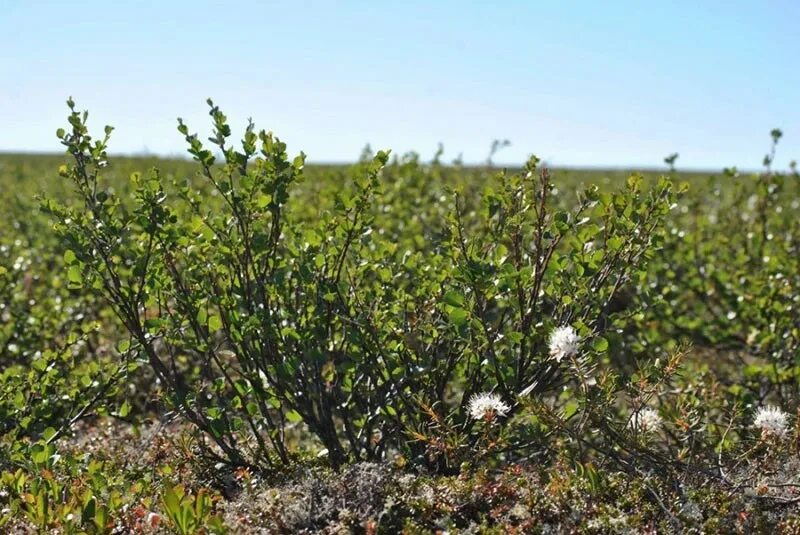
240, 342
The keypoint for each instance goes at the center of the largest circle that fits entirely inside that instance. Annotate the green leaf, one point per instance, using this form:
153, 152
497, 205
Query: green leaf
600, 344
294, 417
101, 518
614, 243
263, 200
570, 408
214, 323
458, 316
171, 501
454, 299
74, 275
89, 507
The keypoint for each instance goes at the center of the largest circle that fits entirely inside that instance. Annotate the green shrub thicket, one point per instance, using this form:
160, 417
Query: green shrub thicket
447, 318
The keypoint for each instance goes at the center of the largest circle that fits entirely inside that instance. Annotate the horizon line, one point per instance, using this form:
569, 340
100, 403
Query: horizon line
445, 163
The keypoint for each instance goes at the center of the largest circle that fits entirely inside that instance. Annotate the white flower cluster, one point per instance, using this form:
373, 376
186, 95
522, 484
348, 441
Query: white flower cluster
646, 420
772, 421
564, 343
487, 407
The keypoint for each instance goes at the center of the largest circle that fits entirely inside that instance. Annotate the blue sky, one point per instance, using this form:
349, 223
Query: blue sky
578, 83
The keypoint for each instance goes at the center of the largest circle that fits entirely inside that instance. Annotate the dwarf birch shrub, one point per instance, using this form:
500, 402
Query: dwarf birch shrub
251, 320
266, 318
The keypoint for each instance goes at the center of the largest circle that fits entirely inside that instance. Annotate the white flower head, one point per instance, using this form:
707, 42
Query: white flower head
487, 407
772, 421
646, 420
563, 342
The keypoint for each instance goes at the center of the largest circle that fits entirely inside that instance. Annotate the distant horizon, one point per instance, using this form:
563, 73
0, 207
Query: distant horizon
498, 164
581, 84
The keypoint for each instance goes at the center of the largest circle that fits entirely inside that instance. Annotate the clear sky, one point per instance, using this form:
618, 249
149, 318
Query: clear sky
576, 82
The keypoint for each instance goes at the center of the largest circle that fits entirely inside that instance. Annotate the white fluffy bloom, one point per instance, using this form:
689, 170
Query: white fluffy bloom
772, 421
646, 420
487, 407
564, 342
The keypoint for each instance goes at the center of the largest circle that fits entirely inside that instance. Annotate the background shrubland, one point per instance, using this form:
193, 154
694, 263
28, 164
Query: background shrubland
240, 341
